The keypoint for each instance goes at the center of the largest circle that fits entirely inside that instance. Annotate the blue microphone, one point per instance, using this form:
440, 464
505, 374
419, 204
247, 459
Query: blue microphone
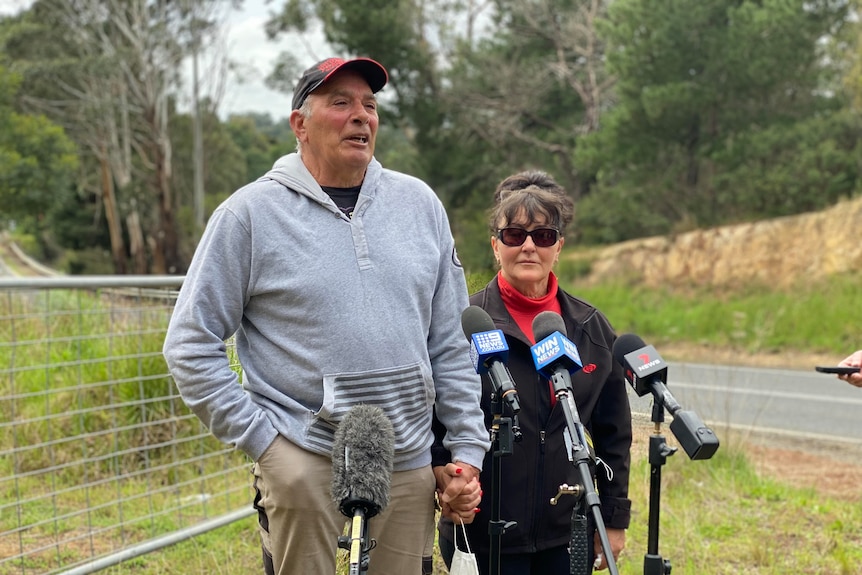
489, 352
553, 353
556, 358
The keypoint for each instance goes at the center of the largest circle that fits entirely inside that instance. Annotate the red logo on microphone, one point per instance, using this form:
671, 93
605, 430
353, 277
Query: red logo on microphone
644, 357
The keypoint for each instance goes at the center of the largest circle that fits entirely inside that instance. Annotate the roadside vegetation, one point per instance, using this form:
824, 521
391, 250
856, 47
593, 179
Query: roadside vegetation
813, 317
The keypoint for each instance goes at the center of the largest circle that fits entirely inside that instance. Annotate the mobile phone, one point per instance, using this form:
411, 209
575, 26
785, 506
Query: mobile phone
836, 369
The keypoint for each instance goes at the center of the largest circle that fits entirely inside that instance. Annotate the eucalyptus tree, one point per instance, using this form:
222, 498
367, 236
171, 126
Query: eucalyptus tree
535, 83
109, 71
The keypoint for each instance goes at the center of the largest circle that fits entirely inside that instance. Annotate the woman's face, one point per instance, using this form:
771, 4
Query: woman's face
526, 267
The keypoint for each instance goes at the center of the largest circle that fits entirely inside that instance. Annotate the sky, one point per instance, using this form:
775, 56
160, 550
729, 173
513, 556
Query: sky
253, 54
248, 46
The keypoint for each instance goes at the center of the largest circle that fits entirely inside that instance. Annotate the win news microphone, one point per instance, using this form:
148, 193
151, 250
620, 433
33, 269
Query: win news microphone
553, 353
557, 358
362, 457
646, 371
489, 352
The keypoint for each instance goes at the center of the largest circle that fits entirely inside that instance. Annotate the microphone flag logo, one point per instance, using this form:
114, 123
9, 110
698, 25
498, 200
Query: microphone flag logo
555, 348
486, 345
645, 362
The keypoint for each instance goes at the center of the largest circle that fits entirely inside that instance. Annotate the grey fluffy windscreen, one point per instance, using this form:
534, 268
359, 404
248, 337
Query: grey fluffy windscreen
362, 455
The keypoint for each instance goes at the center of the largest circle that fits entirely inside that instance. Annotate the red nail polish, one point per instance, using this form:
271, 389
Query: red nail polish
458, 470
477, 510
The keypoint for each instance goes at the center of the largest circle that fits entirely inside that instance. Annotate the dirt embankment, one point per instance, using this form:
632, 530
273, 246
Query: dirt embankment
772, 252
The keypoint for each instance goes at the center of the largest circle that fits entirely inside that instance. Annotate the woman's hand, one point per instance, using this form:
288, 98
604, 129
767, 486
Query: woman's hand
458, 490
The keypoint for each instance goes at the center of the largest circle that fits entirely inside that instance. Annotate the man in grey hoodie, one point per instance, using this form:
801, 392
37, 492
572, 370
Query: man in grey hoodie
340, 281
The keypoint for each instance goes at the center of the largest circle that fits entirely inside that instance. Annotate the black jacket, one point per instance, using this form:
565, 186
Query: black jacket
539, 464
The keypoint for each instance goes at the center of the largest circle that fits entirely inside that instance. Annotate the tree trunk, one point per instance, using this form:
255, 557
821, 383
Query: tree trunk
136, 242
112, 215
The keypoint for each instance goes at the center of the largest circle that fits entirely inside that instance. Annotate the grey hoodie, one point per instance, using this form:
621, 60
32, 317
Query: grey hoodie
328, 312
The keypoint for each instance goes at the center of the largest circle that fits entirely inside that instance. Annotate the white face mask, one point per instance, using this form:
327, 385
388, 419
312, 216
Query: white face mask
463, 562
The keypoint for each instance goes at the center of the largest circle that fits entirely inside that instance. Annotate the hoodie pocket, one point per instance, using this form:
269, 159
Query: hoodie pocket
405, 394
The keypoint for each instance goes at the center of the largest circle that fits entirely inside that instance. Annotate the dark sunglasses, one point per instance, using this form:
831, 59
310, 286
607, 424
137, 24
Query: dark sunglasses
542, 237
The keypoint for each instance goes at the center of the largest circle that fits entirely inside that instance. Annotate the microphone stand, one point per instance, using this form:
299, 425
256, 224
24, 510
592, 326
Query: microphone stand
503, 433
581, 460
357, 543
659, 451
697, 440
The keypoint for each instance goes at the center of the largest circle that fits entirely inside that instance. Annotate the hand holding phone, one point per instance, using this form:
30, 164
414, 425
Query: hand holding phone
840, 370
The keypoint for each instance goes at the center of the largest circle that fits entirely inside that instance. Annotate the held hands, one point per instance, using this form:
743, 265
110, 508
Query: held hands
617, 539
854, 360
458, 490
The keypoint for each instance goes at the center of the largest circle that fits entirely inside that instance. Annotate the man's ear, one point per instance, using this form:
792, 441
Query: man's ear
297, 124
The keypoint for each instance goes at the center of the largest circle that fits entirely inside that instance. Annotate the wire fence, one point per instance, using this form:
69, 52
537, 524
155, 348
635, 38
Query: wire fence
100, 459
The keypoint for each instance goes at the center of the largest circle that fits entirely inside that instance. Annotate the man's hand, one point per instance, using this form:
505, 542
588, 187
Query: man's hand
458, 490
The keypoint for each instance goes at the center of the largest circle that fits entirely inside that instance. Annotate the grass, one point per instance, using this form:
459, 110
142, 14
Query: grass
97, 451
718, 517
820, 316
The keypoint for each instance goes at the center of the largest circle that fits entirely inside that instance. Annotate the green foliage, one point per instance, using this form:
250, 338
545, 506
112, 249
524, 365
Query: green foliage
657, 116
720, 106
37, 160
812, 316
261, 142
772, 172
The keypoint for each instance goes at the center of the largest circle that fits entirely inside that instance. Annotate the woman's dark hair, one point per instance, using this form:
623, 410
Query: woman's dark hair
526, 179
535, 203
533, 193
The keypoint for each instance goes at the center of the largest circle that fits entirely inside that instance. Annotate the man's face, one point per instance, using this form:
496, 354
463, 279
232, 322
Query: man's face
338, 137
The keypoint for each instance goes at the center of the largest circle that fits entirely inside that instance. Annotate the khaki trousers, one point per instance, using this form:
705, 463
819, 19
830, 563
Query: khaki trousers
299, 523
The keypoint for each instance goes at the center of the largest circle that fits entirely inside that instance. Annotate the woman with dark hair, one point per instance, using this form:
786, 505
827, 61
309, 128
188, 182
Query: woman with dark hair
528, 222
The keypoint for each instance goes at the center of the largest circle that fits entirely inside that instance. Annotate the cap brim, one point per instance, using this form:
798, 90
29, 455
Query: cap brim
373, 72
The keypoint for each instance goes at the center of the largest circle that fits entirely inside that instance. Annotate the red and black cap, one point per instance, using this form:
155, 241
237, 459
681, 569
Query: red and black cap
313, 78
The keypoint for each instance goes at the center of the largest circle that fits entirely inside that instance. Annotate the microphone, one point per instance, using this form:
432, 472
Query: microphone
646, 371
556, 358
642, 364
553, 352
489, 352
362, 457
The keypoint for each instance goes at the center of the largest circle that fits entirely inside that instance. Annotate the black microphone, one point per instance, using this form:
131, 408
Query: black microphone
362, 457
646, 371
489, 352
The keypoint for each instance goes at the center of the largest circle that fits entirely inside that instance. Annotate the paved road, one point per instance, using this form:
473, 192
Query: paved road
803, 404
